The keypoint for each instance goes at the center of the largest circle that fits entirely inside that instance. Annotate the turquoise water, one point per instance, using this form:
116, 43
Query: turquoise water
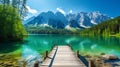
38, 44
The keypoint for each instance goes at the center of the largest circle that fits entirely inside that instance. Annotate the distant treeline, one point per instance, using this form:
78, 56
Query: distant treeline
106, 28
47, 30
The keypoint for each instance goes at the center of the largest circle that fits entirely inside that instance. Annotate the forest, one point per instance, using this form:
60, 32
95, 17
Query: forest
11, 14
106, 28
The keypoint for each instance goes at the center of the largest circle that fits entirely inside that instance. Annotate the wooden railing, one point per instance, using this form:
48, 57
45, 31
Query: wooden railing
83, 59
46, 56
47, 52
50, 65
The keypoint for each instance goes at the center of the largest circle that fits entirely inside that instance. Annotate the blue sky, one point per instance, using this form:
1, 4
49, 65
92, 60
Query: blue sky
109, 7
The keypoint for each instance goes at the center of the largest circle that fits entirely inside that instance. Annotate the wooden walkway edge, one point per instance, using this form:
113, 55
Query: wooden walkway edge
62, 56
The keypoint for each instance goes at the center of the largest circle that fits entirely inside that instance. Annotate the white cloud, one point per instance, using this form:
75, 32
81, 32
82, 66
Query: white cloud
70, 11
61, 10
32, 11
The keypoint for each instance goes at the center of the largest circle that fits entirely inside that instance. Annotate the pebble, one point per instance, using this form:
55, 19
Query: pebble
110, 57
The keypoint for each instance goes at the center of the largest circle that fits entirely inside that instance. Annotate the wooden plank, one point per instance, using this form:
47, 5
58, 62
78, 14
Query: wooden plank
65, 57
49, 58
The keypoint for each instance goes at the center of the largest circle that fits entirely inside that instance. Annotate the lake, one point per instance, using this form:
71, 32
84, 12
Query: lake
36, 45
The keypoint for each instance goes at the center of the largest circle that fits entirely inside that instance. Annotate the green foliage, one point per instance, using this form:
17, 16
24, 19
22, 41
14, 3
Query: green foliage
49, 30
11, 27
19, 4
106, 28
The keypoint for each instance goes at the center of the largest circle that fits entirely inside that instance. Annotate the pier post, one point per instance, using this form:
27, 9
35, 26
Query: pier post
36, 64
91, 64
77, 53
46, 54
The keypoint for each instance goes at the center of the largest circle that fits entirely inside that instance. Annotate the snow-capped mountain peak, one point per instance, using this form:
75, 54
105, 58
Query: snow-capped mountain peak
71, 20
93, 22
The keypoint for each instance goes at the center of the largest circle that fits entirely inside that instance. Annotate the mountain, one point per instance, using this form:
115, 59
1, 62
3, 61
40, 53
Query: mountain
106, 28
86, 20
60, 21
28, 20
57, 20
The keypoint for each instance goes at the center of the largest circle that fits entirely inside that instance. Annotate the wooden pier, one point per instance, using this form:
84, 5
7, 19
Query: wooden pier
62, 56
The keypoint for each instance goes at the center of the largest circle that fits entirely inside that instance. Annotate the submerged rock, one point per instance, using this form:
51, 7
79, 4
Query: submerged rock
102, 54
110, 57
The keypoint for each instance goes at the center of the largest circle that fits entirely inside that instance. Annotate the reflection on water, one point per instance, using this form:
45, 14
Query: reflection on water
29, 56
38, 44
97, 45
28, 53
8, 47
86, 45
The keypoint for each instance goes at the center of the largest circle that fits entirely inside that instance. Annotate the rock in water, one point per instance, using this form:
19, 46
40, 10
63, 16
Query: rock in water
110, 57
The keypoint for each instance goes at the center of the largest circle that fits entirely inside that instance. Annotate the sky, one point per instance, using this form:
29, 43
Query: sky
108, 7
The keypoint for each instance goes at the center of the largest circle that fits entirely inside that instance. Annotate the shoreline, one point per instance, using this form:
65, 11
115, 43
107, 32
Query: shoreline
10, 60
99, 61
